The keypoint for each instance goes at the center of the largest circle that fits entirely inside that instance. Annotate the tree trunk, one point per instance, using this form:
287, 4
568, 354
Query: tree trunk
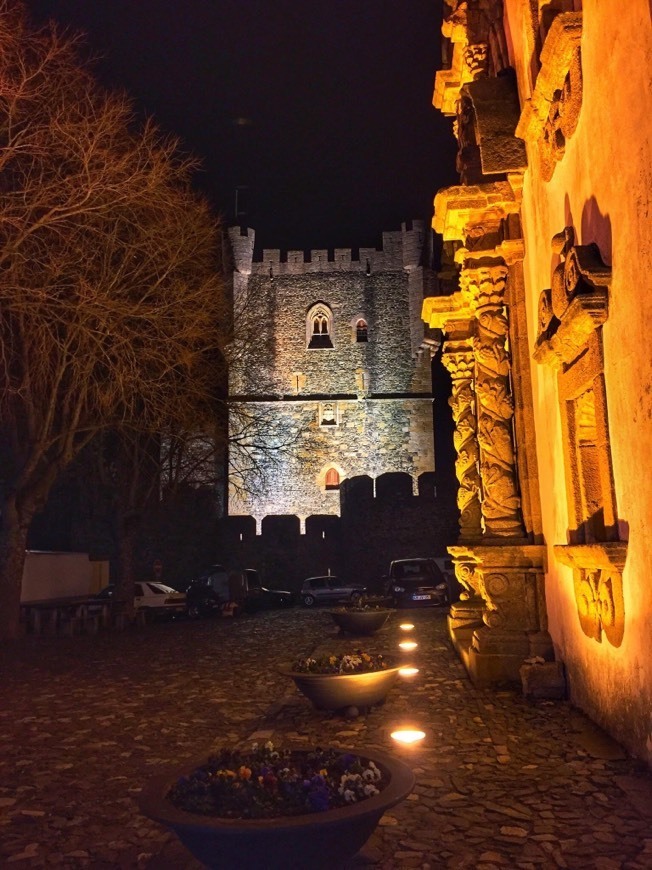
13, 538
126, 544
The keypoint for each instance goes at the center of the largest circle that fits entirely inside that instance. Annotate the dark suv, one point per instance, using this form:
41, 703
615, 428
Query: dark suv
322, 590
208, 593
417, 583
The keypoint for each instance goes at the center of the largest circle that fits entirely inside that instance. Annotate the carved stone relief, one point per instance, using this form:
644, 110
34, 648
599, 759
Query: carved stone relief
460, 364
598, 585
475, 31
550, 117
485, 288
575, 305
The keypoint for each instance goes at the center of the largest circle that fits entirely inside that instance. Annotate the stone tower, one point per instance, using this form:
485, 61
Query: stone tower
328, 351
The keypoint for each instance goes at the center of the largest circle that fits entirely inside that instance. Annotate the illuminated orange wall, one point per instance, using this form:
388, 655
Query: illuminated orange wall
603, 188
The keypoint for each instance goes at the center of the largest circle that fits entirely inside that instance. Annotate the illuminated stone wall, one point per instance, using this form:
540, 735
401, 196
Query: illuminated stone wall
358, 407
546, 340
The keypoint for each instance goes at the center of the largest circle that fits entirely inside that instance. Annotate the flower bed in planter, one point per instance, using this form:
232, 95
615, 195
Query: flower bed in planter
360, 621
336, 682
328, 801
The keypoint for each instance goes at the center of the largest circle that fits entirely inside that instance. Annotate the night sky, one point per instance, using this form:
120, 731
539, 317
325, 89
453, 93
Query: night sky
322, 111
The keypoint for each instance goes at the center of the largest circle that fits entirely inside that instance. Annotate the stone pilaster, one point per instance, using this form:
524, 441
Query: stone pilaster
509, 581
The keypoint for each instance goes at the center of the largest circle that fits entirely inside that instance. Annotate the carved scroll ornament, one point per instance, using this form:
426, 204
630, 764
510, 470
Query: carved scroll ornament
551, 116
576, 303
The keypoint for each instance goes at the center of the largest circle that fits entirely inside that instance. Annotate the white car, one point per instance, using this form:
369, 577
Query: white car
150, 595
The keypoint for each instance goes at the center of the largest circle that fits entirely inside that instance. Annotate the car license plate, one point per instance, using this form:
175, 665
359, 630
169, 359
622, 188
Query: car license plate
420, 598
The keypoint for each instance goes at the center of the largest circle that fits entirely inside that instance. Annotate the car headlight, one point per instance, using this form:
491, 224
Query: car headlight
440, 587
399, 589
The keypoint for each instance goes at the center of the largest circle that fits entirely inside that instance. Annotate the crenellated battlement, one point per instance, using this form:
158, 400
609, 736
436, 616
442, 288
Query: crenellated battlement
400, 250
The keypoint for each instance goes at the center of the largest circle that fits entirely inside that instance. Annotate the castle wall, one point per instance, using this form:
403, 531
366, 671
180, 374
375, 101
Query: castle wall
373, 529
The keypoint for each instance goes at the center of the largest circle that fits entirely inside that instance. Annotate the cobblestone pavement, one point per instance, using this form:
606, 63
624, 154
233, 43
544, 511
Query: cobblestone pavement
502, 782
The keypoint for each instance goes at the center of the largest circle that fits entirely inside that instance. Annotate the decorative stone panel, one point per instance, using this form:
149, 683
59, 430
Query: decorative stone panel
571, 314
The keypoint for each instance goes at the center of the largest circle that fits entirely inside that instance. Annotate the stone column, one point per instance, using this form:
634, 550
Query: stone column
458, 359
484, 287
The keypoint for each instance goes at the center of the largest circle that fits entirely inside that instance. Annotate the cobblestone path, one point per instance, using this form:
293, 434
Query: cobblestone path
502, 782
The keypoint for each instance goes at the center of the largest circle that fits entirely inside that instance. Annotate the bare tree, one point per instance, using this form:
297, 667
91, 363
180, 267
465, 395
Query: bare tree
111, 304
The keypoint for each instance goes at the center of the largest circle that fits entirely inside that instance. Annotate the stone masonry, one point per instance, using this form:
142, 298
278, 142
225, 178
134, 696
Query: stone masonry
353, 398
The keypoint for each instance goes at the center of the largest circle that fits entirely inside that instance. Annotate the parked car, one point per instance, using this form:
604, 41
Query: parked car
323, 590
417, 583
154, 597
208, 593
260, 597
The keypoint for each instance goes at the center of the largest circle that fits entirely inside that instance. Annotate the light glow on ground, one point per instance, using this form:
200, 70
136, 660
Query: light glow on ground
408, 645
408, 736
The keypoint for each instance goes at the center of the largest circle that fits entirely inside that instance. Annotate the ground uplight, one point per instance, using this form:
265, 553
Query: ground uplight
406, 626
408, 645
408, 672
408, 736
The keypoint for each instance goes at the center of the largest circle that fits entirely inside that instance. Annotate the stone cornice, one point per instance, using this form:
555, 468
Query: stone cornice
449, 313
607, 554
467, 213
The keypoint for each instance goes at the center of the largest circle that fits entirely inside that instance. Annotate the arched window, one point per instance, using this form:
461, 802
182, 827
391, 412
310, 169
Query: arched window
361, 331
319, 326
332, 479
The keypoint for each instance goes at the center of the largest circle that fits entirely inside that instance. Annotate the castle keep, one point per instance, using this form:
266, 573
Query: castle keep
328, 351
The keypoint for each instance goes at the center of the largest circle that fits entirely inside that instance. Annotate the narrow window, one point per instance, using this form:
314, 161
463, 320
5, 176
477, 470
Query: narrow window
361, 331
332, 479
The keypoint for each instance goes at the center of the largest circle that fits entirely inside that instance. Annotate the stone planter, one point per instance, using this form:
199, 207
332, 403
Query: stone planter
360, 621
309, 842
339, 691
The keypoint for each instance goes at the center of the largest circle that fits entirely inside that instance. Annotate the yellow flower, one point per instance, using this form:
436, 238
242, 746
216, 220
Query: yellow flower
332, 660
323, 772
366, 657
244, 772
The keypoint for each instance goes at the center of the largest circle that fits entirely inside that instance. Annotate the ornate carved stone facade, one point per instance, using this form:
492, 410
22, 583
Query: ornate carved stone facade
552, 400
